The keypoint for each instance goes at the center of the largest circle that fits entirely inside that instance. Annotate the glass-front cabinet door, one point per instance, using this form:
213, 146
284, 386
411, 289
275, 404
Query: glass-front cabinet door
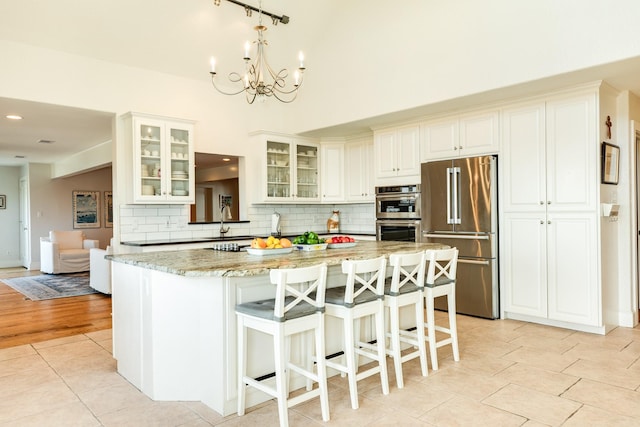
292, 171
163, 160
279, 184
181, 163
307, 172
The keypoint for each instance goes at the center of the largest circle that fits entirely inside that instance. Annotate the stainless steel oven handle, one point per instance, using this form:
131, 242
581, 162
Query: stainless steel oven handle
408, 223
398, 196
458, 236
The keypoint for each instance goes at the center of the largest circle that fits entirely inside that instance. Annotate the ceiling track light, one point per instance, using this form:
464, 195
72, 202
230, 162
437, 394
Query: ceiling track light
248, 9
260, 81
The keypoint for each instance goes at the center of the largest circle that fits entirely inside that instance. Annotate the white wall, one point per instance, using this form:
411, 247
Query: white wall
379, 57
10, 217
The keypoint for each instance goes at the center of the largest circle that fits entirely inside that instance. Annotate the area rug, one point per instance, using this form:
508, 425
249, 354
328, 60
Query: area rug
50, 286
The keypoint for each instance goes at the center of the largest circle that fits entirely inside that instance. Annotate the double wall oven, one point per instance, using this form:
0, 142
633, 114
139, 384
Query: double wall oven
398, 212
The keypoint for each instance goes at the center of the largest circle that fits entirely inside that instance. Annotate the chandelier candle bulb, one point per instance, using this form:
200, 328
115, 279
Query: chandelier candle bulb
246, 50
213, 65
301, 59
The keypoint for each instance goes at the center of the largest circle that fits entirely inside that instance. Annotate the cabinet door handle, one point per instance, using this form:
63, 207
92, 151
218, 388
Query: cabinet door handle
549, 222
541, 202
460, 147
541, 222
549, 202
455, 148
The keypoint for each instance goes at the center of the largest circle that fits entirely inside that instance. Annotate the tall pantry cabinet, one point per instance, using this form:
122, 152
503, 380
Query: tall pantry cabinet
550, 242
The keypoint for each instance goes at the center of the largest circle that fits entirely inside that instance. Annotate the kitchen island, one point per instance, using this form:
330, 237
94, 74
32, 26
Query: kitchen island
174, 324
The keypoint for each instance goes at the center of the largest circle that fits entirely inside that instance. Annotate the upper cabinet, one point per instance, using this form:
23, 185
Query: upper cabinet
464, 135
291, 171
163, 159
359, 171
332, 172
397, 154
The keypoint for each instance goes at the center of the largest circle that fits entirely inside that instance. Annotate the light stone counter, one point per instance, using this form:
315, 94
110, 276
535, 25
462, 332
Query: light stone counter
174, 322
207, 262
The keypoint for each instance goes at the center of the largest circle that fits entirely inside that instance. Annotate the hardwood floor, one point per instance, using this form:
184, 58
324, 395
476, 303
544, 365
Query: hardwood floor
23, 321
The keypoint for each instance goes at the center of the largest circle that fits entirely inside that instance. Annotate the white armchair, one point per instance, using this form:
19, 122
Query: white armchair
65, 252
100, 275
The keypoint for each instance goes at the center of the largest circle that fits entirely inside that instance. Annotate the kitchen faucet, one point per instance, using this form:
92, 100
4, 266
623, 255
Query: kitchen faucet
223, 230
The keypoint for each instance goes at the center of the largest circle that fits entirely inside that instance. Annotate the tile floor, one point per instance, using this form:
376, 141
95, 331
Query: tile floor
510, 374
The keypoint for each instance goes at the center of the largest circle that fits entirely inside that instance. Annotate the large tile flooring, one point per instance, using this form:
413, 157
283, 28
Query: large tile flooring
510, 374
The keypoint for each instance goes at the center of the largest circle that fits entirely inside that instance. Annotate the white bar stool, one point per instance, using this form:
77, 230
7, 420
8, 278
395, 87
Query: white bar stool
295, 310
362, 296
403, 290
441, 281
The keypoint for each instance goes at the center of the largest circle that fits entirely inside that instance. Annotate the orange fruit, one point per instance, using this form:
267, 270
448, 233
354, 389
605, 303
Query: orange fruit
285, 243
261, 243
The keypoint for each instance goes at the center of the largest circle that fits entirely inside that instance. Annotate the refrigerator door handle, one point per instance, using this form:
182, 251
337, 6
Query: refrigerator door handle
473, 261
458, 236
456, 196
449, 189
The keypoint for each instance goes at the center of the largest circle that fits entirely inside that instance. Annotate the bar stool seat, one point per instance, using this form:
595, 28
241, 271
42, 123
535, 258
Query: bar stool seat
361, 297
441, 281
405, 289
297, 309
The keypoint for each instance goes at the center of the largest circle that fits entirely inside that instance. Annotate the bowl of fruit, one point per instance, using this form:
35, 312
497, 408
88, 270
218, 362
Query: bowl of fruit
338, 242
309, 241
270, 246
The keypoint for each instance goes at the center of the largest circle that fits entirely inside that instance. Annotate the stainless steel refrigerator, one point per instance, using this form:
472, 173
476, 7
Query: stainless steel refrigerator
460, 208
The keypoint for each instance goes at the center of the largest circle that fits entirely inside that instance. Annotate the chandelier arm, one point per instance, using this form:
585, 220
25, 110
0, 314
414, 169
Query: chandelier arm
285, 100
213, 81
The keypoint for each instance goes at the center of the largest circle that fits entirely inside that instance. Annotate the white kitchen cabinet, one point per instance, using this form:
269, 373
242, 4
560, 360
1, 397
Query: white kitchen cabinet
163, 159
461, 135
550, 157
549, 236
291, 171
332, 172
397, 154
359, 171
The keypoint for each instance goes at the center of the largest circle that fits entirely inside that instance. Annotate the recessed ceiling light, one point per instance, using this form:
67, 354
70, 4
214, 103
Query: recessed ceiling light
13, 117
226, 159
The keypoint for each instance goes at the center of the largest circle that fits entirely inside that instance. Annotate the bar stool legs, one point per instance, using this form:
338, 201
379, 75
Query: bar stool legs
441, 281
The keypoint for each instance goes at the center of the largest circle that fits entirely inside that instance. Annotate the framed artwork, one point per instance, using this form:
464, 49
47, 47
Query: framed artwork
108, 209
86, 209
3, 201
610, 163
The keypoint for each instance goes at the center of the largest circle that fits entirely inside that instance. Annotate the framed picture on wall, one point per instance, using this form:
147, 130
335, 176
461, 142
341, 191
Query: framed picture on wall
610, 163
86, 209
3, 201
108, 209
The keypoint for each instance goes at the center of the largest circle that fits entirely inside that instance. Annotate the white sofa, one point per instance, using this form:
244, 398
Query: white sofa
65, 252
100, 275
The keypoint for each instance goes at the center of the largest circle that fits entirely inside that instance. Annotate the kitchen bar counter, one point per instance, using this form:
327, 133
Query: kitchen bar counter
174, 322
207, 262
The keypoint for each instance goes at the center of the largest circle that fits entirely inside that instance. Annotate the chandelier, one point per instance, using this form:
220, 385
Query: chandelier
259, 80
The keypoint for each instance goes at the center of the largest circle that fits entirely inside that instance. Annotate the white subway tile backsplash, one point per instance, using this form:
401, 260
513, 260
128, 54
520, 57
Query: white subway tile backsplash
156, 222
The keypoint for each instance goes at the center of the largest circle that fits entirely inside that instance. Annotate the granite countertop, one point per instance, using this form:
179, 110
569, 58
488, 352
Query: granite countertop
181, 241
207, 262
